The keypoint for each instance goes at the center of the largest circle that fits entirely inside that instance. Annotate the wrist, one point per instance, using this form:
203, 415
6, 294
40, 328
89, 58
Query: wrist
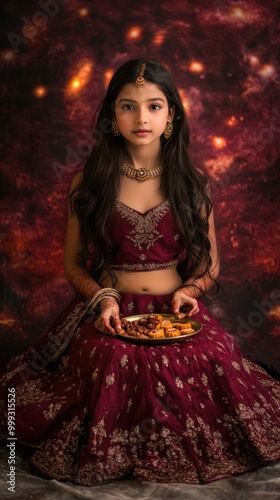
107, 302
101, 295
191, 289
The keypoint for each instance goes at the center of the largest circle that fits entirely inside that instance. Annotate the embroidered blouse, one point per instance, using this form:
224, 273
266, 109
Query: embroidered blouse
145, 241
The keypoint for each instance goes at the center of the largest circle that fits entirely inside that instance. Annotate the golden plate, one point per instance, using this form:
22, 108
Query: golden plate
196, 325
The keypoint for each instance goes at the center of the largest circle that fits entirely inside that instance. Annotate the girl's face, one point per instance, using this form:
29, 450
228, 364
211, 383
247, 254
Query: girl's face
142, 113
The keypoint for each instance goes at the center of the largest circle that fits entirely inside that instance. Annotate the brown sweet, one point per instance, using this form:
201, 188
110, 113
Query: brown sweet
154, 326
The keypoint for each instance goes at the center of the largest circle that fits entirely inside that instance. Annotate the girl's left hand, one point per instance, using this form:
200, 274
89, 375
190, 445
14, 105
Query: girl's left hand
181, 300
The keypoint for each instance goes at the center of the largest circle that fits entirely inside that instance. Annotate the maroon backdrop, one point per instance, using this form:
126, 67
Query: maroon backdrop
56, 59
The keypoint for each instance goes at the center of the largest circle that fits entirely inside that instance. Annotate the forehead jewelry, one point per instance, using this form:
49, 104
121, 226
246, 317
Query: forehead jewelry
140, 79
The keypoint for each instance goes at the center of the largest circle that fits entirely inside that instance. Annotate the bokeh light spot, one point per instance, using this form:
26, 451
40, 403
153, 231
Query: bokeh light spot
134, 32
40, 91
83, 12
231, 121
159, 37
196, 67
239, 13
107, 76
219, 142
267, 70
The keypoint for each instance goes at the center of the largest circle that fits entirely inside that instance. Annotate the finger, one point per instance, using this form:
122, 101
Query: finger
194, 310
117, 323
101, 325
107, 327
176, 304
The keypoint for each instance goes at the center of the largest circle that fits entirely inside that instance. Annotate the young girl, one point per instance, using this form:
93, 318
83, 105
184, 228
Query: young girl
140, 239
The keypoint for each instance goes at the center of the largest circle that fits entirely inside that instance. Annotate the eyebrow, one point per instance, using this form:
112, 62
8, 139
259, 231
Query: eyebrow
132, 100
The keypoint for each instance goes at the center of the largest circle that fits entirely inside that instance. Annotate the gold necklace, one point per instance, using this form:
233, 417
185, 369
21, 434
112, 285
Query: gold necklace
142, 174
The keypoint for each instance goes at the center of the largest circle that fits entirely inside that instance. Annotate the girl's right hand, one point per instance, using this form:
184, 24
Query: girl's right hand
110, 315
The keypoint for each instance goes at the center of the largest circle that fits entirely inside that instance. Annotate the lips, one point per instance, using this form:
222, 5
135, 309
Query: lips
141, 132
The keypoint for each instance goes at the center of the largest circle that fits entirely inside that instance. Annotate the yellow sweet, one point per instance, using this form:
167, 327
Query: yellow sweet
166, 324
172, 332
187, 331
157, 333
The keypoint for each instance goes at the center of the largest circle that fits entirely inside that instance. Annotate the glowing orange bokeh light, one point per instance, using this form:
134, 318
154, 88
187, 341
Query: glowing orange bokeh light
159, 37
254, 60
184, 99
134, 32
237, 12
196, 67
107, 76
219, 142
40, 91
8, 55
83, 12
75, 83
267, 70
231, 121
81, 78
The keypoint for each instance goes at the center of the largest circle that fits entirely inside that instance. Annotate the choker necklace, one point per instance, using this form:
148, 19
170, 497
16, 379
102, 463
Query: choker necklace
142, 174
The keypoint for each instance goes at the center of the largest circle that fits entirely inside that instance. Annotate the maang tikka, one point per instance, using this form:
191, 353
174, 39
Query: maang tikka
140, 79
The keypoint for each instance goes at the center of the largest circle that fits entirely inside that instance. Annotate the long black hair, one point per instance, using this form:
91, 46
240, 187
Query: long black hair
184, 185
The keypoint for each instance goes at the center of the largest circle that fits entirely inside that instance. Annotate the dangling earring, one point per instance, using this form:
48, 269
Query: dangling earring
168, 130
115, 129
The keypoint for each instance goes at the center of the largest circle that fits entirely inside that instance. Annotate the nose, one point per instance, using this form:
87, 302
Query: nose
141, 117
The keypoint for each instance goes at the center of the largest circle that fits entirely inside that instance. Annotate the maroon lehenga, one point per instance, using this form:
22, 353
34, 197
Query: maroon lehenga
95, 408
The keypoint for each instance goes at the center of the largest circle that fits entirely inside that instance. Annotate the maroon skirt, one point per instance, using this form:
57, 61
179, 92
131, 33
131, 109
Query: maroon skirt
95, 408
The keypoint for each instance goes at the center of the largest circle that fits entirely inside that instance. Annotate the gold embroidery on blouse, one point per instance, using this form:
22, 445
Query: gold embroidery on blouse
144, 232
145, 267
95, 374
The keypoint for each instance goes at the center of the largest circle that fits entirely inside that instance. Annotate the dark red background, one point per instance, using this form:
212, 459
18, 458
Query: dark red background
55, 64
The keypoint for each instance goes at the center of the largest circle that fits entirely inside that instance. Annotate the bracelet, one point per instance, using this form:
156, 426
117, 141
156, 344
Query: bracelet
102, 294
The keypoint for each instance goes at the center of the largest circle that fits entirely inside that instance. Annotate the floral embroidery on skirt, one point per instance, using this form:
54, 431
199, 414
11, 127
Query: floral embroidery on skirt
96, 408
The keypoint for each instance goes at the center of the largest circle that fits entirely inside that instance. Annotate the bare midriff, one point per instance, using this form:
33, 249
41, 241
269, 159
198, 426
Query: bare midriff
159, 282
